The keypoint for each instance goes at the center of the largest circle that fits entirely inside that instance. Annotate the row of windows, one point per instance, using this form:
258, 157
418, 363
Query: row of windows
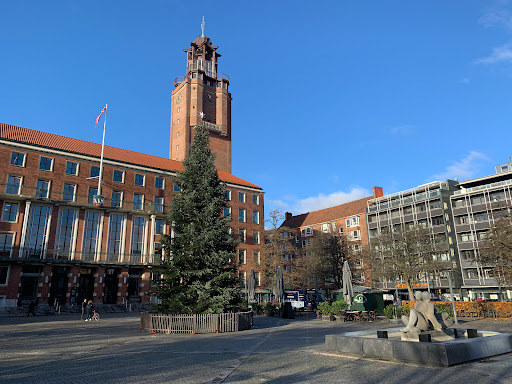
494, 197
242, 257
242, 236
408, 210
242, 197
242, 215
46, 164
10, 214
14, 184
66, 233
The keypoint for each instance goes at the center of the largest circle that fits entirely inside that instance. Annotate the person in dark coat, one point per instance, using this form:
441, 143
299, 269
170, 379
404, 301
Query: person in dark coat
90, 308
84, 308
31, 309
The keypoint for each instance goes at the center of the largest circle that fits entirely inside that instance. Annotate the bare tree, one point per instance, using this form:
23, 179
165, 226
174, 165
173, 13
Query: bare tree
407, 254
325, 262
280, 250
496, 251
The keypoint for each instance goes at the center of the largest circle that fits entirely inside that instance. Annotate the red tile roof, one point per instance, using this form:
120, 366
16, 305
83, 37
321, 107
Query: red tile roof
327, 214
49, 140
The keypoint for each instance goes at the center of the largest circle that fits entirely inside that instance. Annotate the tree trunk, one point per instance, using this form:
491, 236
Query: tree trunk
411, 292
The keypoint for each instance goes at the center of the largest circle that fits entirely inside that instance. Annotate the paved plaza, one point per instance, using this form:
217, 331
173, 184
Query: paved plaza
63, 349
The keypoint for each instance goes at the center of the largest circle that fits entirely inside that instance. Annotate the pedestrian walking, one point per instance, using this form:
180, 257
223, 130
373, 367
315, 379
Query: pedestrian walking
31, 309
90, 309
84, 307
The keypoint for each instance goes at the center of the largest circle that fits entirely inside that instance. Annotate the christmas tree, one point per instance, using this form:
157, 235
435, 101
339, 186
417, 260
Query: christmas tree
198, 274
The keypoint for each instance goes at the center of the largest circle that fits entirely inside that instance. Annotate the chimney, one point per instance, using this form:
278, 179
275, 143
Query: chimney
377, 192
287, 216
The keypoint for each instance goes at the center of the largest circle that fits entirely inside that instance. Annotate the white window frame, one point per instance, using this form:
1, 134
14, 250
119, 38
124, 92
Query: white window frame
257, 199
242, 195
163, 182
17, 212
77, 168
257, 217
242, 235
244, 218
141, 202
159, 205
120, 200
256, 235
243, 260
228, 195
51, 164
123, 173
10, 255
143, 180
47, 192
74, 191
7, 278
308, 231
24, 159
19, 186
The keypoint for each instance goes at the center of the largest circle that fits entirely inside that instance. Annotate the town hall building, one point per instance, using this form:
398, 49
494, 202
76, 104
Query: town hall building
59, 246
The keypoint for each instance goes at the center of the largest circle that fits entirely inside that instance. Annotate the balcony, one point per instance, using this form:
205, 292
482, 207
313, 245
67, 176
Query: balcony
66, 256
198, 67
58, 197
213, 127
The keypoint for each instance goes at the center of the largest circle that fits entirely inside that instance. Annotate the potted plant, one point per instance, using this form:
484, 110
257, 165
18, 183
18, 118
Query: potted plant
325, 311
337, 307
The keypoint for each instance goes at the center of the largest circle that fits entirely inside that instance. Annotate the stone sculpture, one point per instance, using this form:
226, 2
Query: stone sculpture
423, 314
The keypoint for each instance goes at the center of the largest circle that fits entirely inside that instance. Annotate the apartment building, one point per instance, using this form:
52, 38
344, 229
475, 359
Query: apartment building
427, 205
475, 206
347, 219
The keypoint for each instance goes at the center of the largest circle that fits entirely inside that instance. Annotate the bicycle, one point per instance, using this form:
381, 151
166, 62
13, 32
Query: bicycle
95, 316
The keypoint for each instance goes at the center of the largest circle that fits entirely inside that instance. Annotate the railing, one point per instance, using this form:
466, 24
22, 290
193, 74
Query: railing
53, 196
213, 127
70, 256
211, 74
398, 199
482, 187
198, 323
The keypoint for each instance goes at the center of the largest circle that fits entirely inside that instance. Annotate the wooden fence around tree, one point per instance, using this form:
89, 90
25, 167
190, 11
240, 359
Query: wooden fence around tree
211, 323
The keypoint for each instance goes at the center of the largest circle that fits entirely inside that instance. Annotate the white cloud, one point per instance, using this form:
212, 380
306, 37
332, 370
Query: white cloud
314, 203
499, 15
463, 169
321, 201
402, 130
465, 80
498, 55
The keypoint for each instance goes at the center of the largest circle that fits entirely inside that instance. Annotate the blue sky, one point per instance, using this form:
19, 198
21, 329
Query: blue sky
329, 99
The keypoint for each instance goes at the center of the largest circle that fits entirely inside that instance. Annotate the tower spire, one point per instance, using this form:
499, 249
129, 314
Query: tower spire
202, 26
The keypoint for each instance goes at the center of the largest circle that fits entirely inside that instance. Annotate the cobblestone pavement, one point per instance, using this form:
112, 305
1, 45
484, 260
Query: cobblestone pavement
63, 349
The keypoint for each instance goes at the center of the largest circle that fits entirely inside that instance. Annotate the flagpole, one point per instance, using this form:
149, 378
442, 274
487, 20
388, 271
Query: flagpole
102, 149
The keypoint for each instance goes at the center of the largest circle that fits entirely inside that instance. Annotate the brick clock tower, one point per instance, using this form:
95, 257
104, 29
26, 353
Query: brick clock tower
201, 97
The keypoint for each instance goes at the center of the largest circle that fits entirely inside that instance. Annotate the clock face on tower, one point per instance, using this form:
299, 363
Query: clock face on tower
209, 98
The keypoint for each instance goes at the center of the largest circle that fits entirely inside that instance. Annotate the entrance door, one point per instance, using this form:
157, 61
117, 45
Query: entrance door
29, 284
133, 284
111, 283
59, 286
85, 284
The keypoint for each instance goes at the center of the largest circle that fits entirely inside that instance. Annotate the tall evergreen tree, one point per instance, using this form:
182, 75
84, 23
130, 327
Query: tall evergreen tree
198, 274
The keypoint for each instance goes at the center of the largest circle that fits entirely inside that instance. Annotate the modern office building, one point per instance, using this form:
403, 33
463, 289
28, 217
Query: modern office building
475, 207
58, 245
427, 205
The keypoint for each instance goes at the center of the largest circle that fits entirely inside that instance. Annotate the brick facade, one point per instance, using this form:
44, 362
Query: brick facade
57, 246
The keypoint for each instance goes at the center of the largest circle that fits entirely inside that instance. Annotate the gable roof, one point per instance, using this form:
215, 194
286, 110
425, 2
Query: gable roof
328, 214
49, 140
